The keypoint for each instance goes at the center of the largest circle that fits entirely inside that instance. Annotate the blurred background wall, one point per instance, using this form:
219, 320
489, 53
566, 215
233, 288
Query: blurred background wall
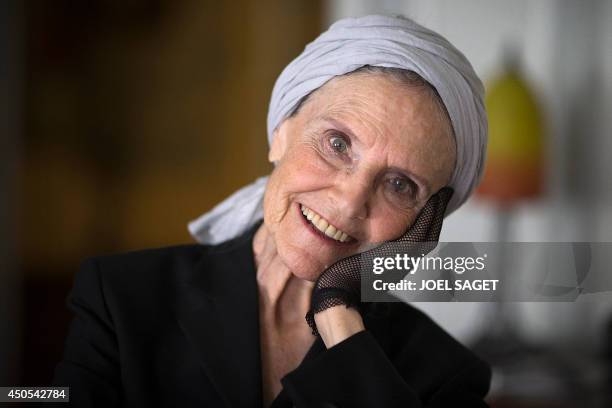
125, 120
11, 125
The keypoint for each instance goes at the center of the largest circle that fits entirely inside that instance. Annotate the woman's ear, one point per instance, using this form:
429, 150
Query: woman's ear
280, 141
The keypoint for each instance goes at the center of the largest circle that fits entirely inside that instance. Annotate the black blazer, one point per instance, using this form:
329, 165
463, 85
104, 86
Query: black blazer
179, 327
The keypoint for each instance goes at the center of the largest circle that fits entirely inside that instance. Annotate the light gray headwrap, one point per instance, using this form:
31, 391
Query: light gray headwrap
349, 44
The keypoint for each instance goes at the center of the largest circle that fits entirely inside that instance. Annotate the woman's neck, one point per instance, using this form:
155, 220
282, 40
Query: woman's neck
284, 298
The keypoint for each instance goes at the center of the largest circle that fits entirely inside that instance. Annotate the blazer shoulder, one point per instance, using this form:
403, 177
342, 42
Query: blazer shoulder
156, 258
150, 270
146, 261
176, 258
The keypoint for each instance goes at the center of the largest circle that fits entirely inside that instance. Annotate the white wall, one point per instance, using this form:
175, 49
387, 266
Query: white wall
565, 48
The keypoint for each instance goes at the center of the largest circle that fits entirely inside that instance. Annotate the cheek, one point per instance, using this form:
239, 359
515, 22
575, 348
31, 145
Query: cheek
390, 225
299, 172
296, 176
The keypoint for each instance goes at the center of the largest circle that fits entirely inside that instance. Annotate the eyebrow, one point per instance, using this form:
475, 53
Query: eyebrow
423, 184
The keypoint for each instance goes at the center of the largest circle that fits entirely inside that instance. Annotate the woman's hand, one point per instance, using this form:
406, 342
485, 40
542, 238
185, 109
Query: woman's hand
338, 323
337, 293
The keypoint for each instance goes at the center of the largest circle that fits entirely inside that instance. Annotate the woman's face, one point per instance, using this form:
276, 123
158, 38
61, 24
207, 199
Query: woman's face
364, 153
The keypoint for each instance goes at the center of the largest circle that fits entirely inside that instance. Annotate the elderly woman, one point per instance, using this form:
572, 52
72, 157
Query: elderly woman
377, 130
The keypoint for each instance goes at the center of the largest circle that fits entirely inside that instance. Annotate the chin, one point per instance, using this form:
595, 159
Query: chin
301, 264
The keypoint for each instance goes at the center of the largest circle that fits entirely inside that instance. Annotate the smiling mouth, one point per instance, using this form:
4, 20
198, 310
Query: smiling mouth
324, 227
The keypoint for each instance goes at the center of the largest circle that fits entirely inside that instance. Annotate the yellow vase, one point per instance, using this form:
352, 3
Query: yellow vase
515, 155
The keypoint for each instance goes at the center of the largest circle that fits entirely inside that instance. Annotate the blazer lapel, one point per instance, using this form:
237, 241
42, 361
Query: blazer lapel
218, 312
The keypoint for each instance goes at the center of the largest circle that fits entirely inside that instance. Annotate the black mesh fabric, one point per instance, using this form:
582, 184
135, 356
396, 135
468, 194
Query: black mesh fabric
340, 284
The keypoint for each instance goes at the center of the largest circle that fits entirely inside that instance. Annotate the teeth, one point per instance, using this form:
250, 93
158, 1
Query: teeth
322, 225
330, 231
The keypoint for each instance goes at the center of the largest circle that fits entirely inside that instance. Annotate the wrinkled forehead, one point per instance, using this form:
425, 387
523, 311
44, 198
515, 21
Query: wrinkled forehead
377, 107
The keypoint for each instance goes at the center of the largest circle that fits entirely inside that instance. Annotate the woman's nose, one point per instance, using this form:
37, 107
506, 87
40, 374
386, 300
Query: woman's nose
353, 195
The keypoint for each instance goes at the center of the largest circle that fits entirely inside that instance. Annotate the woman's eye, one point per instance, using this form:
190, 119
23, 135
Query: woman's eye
399, 184
338, 144
402, 186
